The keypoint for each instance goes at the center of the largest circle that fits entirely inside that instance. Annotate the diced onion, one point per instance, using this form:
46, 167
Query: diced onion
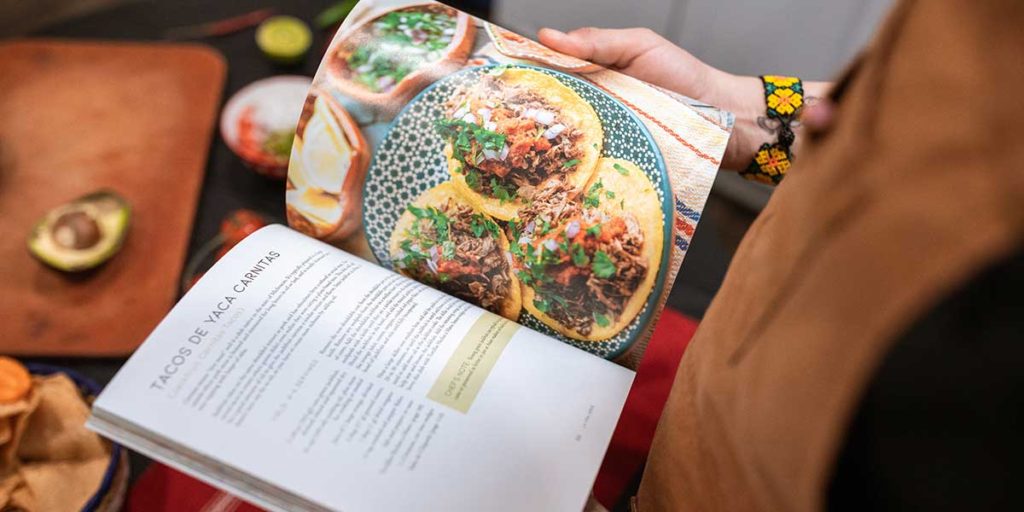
385, 82
554, 131
550, 244
530, 226
491, 125
525, 239
504, 152
490, 154
544, 117
485, 113
572, 229
462, 111
469, 118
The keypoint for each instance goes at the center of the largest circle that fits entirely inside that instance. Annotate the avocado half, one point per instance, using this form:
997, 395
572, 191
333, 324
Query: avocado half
83, 233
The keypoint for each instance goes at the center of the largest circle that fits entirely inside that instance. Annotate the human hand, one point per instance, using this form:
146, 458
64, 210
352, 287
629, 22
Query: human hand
645, 55
640, 53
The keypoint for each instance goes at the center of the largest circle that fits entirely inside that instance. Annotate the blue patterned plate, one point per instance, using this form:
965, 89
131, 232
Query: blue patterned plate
410, 160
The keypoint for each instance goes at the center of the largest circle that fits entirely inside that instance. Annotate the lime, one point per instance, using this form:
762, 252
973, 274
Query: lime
284, 39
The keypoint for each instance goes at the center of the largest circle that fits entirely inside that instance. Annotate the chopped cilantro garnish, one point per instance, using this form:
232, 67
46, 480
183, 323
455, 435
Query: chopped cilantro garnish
579, 256
547, 255
440, 223
571, 163
602, 265
564, 244
513, 228
593, 196
542, 304
468, 139
529, 251
622, 170
609, 194
524, 276
601, 320
418, 212
411, 255
448, 249
437, 217
473, 179
480, 225
594, 230
501, 192
497, 70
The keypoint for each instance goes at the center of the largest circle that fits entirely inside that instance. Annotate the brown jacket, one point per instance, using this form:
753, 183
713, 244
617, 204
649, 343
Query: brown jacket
918, 187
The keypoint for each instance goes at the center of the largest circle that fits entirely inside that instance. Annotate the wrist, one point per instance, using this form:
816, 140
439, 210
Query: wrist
743, 96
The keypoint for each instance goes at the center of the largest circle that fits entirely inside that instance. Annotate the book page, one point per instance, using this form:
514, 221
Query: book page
544, 188
337, 384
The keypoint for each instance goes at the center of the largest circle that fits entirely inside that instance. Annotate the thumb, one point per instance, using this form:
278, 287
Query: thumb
574, 44
607, 47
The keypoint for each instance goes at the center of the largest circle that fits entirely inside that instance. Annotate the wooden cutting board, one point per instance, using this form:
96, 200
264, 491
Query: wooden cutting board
76, 117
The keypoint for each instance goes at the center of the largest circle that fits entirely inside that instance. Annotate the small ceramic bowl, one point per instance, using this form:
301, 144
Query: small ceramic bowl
109, 496
258, 122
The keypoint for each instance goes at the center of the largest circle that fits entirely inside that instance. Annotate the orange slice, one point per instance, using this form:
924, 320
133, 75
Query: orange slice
15, 381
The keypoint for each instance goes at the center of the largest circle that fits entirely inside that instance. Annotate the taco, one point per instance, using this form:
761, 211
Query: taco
588, 262
442, 241
326, 172
513, 131
389, 58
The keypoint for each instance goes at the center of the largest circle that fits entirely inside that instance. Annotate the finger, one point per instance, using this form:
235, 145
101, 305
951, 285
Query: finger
817, 117
608, 47
560, 41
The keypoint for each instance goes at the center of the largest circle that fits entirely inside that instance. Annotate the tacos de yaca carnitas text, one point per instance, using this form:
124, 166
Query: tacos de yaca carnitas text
442, 241
512, 132
588, 262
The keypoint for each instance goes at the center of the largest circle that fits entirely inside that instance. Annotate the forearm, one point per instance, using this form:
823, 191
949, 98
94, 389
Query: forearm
744, 97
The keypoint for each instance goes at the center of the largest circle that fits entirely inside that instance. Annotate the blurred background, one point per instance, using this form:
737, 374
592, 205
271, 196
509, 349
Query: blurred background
810, 38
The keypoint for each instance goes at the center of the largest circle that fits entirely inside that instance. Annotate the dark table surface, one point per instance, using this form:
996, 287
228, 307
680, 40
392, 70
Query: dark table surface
229, 185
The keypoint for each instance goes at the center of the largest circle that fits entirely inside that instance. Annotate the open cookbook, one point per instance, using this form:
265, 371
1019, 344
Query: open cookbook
482, 235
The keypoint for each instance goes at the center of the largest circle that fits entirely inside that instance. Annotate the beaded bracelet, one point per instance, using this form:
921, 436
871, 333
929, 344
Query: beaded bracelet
784, 96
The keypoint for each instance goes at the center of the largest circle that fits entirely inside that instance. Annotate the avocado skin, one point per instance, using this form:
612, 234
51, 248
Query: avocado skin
109, 210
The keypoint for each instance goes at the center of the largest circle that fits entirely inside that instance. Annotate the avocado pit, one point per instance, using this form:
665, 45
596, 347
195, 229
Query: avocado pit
81, 234
76, 230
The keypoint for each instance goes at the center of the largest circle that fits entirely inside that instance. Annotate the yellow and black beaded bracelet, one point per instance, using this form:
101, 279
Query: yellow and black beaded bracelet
784, 96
